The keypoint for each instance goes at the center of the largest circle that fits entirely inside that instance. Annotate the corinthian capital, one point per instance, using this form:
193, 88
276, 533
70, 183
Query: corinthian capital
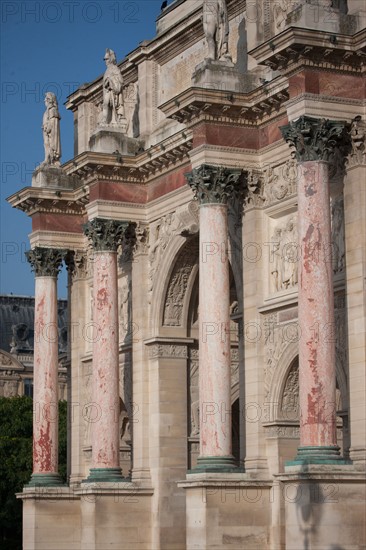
215, 184
105, 235
317, 139
45, 262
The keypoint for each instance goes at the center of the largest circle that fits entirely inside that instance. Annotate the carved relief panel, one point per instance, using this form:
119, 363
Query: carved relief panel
284, 254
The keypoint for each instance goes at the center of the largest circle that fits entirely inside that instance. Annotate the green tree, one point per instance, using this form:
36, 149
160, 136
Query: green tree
16, 419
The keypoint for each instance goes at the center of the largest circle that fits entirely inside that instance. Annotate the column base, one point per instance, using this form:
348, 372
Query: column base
318, 455
46, 480
215, 464
103, 475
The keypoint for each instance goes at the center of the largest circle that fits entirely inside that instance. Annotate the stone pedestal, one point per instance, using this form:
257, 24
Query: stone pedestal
213, 186
48, 175
112, 138
324, 508
115, 516
227, 512
320, 16
222, 75
46, 264
317, 376
104, 414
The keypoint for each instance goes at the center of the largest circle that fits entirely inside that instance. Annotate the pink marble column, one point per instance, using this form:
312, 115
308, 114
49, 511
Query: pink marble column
316, 141
213, 186
105, 410
46, 264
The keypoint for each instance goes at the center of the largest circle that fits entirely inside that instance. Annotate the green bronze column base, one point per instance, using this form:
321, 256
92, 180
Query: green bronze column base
46, 480
105, 475
318, 455
216, 464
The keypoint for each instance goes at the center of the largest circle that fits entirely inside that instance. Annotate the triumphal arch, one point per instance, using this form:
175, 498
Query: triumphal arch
213, 223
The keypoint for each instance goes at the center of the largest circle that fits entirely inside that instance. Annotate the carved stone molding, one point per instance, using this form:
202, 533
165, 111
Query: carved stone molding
135, 241
77, 264
174, 301
215, 184
254, 190
317, 139
282, 431
358, 138
45, 262
105, 235
161, 351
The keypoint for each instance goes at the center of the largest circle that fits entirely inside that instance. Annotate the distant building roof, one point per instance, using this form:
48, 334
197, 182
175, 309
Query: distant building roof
17, 324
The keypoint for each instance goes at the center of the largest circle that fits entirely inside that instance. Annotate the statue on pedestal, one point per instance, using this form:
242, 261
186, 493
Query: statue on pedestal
51, 131
216, 27
113, 105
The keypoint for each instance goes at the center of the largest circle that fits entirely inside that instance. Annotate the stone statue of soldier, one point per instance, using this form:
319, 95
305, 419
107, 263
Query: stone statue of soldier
113, 104
216, 28
51, 131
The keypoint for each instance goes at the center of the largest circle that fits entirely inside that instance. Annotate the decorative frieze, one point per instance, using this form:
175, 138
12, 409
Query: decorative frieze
170, 351
317, 139
45, 262
105, 235
215, 184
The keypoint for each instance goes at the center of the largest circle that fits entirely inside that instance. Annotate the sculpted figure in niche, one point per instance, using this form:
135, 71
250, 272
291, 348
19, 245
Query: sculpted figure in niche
216, 28
124, 423
338, 249
276, 259
195, 411
358, 135
113, 105
289, 245
51, 131
124, 298
285, 256
270, 179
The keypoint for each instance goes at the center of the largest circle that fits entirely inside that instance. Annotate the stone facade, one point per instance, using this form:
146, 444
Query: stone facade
213, 221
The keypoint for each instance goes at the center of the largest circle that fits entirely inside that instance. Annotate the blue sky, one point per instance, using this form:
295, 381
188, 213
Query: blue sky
50, 46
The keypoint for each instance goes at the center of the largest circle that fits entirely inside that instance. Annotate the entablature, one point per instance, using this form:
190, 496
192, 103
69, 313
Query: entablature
59, 201
295, 47
246, 109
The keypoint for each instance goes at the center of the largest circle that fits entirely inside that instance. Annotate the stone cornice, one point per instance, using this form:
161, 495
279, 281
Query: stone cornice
167, 155
58, 201
216, 184
45, 262
105, 235
297, 46
196, 104
317, 139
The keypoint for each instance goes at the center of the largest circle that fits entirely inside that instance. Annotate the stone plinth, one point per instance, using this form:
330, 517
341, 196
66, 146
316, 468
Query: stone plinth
222, 75
323, 18
112, 138
227, 512
49, 175
324, 508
